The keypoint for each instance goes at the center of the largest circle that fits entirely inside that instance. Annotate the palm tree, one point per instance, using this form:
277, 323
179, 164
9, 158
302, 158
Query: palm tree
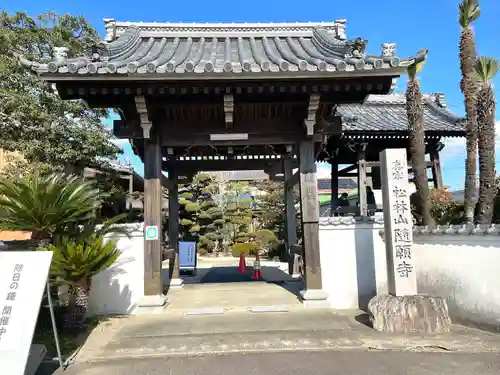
485, 69
45, 204
74, 262
415, 114
469, 12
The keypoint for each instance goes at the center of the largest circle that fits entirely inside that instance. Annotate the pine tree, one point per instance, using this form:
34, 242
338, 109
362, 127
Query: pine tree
200, 216
237, 203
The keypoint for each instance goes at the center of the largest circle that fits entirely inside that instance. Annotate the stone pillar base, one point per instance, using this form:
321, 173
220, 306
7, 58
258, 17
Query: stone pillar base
407, 314
176, 283
153, 301
314, 298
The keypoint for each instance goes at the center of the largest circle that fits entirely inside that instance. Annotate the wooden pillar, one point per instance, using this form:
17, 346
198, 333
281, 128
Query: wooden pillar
153, 284
363, 208
290, 222
313, 295
376, 180
437, 176
173, 228
334, 186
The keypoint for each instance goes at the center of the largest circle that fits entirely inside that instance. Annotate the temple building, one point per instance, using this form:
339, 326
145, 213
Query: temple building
261, 96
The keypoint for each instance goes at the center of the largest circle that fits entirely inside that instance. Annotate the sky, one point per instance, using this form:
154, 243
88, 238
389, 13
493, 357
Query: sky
411, 24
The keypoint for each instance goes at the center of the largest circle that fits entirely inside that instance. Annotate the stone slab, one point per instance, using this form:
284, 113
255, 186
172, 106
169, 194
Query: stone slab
264, 309
153, 301
314, 298
206, 311
176, 284
409, 314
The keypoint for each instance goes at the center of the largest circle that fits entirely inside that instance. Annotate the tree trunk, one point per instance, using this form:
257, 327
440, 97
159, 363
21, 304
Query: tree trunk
468, 85
77, 304
415, 113
486, 142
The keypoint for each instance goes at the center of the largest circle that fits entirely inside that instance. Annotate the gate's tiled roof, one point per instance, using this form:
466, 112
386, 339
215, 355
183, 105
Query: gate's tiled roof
177, 50
387, 113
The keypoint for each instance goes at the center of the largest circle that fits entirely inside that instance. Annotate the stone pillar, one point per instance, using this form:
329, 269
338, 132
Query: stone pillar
290, 222
173, 229
334, 186
153, 284
313, 295
402, 310
398, 223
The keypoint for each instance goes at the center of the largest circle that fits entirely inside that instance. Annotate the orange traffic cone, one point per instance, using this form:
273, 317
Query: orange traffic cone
256, 275
242, 268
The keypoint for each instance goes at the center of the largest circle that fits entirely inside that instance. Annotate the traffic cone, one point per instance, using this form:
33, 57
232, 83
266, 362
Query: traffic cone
242, 268
256, 275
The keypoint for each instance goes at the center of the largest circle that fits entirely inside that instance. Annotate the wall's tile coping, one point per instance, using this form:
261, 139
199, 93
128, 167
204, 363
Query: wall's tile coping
349, 220
133, 229
439, 230
458, 230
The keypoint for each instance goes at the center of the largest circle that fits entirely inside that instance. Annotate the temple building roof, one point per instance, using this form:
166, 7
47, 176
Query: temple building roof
178, 50
387, 113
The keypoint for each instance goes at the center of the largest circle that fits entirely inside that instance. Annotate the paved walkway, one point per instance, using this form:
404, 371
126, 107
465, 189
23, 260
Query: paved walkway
219, 287
245, 332
300, 363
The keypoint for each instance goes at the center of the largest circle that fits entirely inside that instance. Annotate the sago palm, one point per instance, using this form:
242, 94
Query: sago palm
485, 70
45, 204
469, 12
74, 262
416, 130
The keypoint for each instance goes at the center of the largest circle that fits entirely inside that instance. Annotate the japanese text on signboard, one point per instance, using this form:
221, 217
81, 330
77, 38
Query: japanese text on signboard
401, 219
10, 300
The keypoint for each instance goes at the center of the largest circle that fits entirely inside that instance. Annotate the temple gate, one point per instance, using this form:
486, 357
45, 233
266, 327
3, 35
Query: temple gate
201, 97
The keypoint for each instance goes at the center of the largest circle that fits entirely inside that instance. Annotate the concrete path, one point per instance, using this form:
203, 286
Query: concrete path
246, 332
299, 363
233, 297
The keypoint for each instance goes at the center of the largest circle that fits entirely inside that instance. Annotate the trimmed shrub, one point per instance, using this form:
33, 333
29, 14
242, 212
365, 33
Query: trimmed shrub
266, 237
248, 248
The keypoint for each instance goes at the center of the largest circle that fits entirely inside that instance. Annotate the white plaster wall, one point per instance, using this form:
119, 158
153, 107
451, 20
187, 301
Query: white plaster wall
352, 262
466, 270
118, 289
463, 268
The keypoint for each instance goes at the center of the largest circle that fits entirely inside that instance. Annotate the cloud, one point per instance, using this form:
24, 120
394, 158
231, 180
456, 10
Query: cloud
454, 150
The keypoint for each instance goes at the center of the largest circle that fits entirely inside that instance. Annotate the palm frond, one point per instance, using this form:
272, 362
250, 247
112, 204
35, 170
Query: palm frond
486, 68
77, 260
468, 12
46, 203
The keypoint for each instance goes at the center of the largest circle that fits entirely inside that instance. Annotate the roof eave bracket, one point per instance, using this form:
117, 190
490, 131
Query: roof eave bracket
142, 110
312, 109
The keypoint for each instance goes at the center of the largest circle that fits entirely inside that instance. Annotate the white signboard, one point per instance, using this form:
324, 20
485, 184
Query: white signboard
23, 278
151, 232
187, 255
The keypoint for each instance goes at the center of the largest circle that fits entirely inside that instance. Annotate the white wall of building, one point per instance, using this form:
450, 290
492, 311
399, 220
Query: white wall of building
117, 290
463, 268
